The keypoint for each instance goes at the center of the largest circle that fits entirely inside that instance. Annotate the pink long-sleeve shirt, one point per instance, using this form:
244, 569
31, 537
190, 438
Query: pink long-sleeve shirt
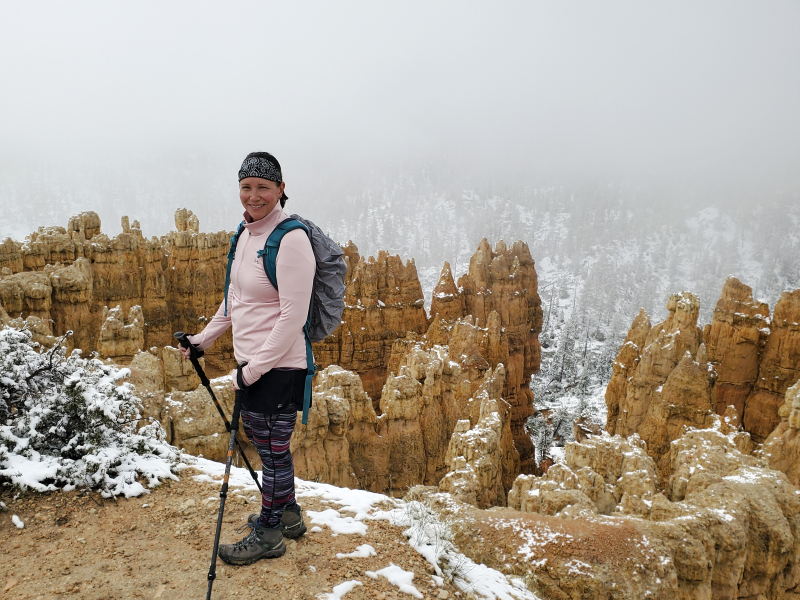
267, 323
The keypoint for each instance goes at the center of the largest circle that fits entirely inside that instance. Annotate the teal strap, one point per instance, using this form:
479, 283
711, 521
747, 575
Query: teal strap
273, 243
231, 255
309, 376
227, 283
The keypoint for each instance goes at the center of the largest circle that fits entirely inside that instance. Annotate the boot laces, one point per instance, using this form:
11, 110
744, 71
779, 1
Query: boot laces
249, 539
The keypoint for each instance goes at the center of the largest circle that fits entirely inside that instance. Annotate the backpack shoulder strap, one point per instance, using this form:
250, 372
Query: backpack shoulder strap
270, 256
270, 251
231, 255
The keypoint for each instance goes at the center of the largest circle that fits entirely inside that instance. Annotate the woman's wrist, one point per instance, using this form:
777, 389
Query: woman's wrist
196, 340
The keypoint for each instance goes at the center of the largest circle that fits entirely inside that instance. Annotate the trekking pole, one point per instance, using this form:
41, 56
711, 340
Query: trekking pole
223, 493
194, 355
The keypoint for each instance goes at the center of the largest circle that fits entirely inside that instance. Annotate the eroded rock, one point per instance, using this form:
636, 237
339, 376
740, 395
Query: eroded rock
782, 447
504, 280
735, 341
121, 338
478, 456
321, 449
740, 366
70, 275
657, 386
779, 368
597, 527
384, 302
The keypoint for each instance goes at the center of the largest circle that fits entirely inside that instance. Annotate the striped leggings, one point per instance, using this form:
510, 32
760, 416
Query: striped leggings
270, 435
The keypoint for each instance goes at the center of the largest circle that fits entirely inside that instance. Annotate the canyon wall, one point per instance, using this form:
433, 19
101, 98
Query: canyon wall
674, 374
69, 276
782, 447
429, 431
393, 384
383, 302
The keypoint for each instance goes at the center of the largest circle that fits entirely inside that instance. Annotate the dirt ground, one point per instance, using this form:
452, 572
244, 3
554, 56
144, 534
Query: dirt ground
159, 546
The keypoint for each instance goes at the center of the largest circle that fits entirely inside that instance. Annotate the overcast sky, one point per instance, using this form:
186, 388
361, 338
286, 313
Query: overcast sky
645, 91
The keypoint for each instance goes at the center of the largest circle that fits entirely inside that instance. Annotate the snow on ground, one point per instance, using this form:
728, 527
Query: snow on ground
594, 404
397, 576
363, 551
425, 533
341, 589
335, 522
17, 521
71, 422
30, 471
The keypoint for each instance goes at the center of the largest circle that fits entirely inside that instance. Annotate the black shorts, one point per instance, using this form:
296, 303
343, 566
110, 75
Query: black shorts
276, 392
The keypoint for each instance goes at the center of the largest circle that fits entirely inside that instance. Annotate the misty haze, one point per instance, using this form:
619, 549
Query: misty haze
634, 170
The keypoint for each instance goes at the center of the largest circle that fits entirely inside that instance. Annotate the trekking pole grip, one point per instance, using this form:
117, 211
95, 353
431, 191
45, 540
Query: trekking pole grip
194, 355
183, 340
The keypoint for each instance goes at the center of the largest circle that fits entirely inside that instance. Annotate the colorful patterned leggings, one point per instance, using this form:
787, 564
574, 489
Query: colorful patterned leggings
270, 434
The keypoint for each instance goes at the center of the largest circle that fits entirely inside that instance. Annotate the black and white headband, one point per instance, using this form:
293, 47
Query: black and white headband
257, 166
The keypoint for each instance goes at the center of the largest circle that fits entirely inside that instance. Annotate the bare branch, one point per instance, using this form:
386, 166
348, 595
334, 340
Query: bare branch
51, 354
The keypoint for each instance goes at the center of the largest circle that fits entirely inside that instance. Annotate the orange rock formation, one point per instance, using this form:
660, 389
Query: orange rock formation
70, 275
740, 366
735, 341
779, 368
501, 281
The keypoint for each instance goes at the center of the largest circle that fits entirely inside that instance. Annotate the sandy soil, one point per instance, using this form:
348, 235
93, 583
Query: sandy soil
159, 546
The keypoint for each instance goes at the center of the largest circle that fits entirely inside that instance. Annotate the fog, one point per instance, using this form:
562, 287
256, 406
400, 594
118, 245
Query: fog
142, 107
638, 148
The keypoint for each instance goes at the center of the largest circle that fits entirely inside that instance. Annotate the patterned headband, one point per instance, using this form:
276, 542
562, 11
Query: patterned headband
256, 166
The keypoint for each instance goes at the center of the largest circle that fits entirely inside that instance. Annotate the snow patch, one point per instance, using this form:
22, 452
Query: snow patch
397, 576
362, 551
338, 524
340, 590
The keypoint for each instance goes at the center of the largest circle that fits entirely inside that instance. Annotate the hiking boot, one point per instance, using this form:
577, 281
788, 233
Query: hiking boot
259, 543
292, 525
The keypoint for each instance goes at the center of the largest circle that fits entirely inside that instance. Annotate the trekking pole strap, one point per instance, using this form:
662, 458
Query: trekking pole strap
240, 377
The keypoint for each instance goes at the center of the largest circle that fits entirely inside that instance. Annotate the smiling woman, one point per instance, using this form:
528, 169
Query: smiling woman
271, 348
261, 184
259, 196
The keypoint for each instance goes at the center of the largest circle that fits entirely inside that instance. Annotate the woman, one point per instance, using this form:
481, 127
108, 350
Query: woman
268, 336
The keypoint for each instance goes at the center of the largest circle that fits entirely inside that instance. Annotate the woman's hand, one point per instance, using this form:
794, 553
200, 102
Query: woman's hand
232, 375
186, 352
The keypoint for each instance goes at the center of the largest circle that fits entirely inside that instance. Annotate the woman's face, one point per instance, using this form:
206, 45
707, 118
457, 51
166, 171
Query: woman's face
259, 196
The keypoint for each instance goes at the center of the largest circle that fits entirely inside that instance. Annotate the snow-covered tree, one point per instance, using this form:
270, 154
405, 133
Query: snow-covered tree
69, 422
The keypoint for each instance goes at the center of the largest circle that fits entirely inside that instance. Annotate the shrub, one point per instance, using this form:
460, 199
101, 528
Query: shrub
69, 422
